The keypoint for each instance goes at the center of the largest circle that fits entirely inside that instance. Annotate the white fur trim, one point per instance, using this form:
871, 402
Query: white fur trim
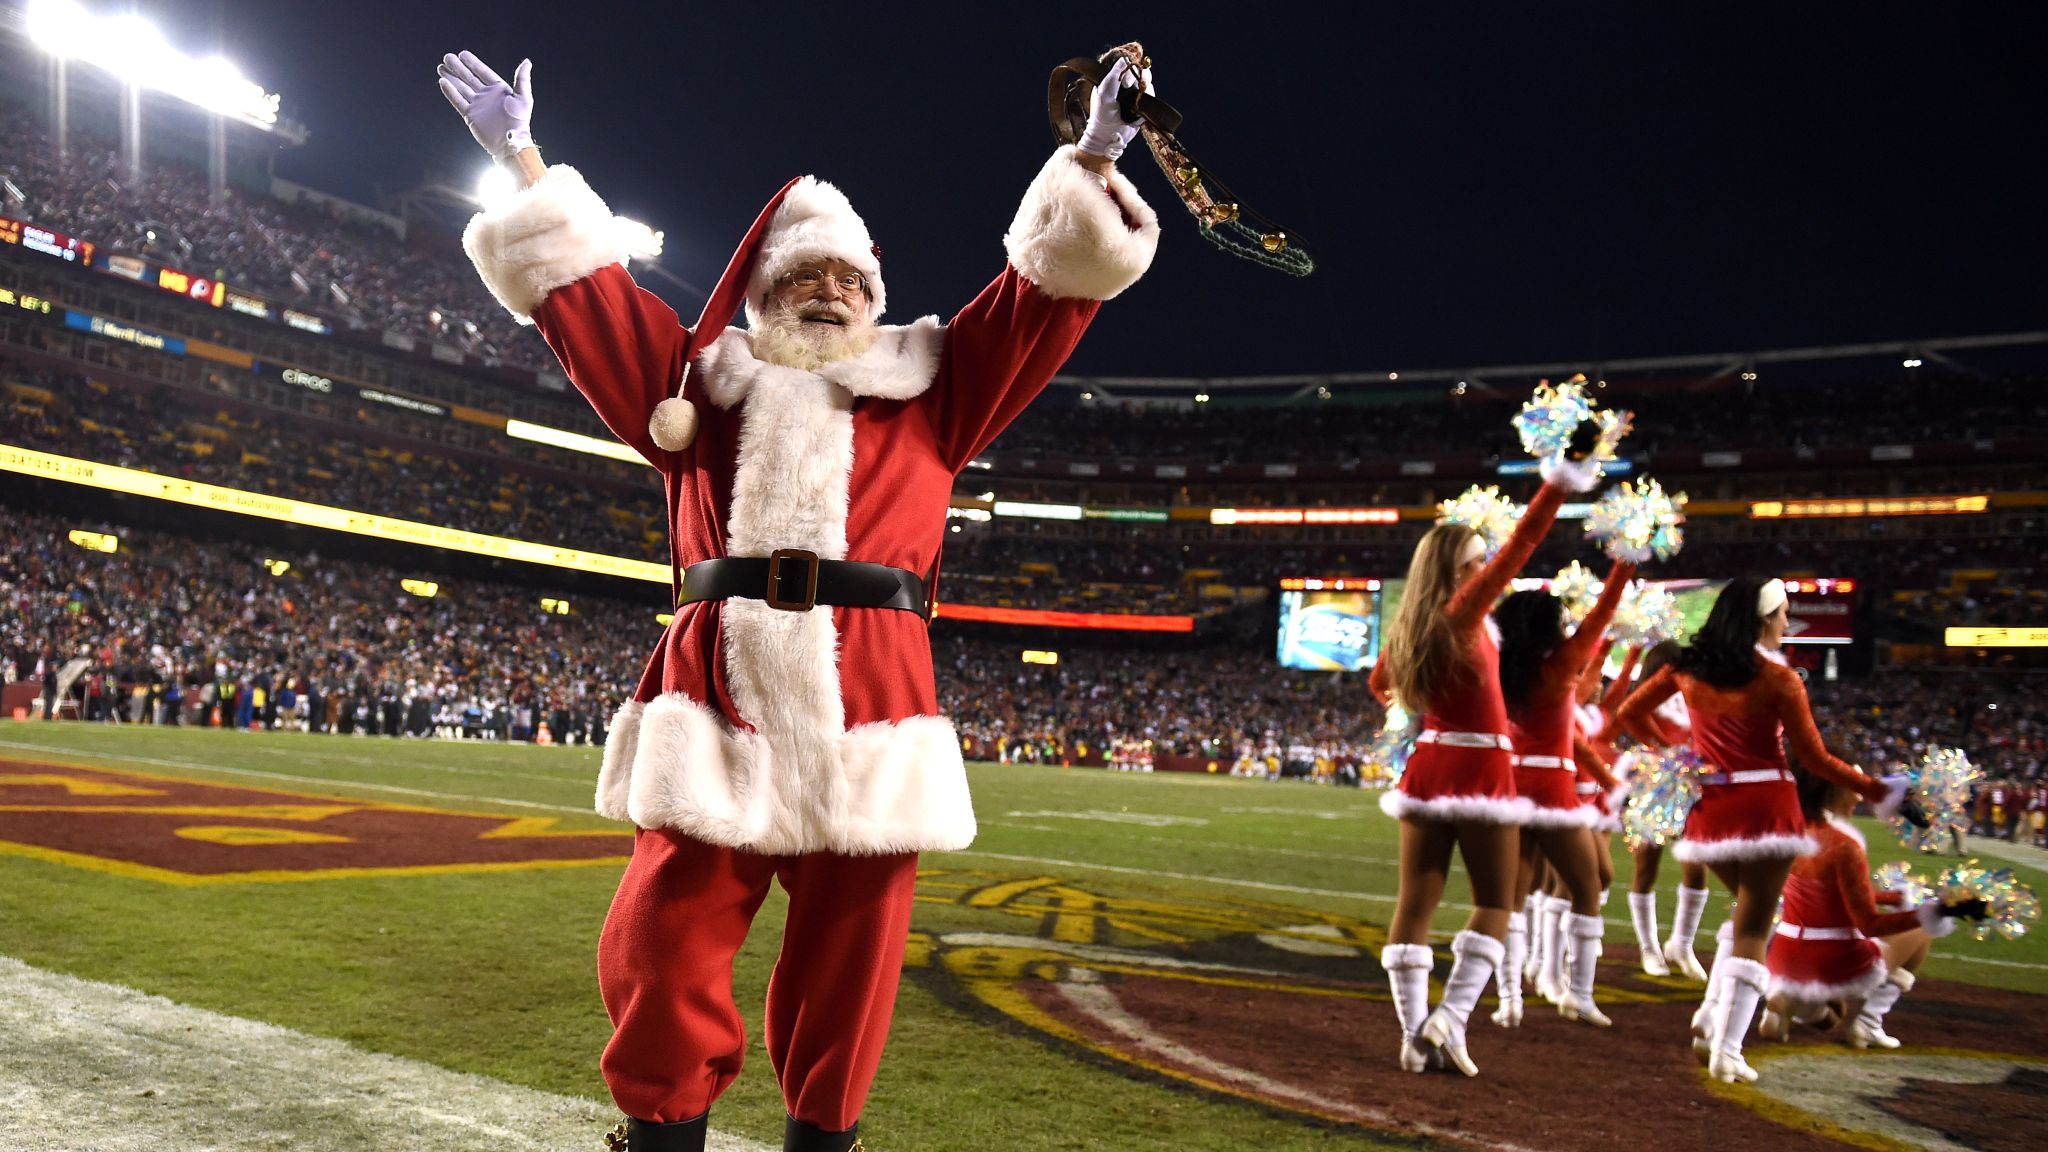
1069, 236
814, 222
902, 364
1847, 829
1396, 957
899, 366
1904, 978
1744, 848
1576, 816
554, 233
881, 788
1813, 992
1572, 475
1456, 809
674, 424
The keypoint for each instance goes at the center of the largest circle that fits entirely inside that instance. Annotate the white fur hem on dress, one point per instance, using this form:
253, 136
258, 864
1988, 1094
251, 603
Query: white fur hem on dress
1820, 992
1744, 848
1456, 809
673, 763
1576, 816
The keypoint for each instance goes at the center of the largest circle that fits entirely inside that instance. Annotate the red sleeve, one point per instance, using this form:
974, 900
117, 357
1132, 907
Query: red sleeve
1589, 758
1001, 352
1610, 703
622, 347
1576, 654
1638, 715
1890, 897
1377, 684
1849, 870
1789, 697
1475, 599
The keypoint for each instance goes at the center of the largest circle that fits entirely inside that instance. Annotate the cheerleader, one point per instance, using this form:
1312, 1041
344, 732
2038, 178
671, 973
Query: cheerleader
1541, 676
1746, 827
1832, 943
1458, 791
1675, 953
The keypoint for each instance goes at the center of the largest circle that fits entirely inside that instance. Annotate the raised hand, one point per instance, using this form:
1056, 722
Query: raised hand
1107, 132
499, 115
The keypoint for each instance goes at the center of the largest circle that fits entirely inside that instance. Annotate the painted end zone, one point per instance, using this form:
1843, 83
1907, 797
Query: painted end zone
1267, 1005
197, 832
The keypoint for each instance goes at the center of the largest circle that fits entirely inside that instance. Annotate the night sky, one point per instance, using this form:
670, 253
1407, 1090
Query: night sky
1481, 183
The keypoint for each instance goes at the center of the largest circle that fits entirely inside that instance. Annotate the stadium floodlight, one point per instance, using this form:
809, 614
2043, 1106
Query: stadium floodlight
494, 186
640, 240
137, 53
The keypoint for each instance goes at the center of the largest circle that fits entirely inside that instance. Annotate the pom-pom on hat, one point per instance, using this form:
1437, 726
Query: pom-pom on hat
814, 222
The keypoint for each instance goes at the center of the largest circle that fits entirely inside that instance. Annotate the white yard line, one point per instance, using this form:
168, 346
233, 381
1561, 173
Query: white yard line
92, 1067
317, 781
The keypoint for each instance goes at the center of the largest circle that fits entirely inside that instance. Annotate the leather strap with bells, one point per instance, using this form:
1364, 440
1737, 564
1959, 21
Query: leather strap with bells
1225, 220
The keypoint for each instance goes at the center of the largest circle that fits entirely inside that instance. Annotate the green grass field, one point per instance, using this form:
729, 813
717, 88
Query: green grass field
492, 973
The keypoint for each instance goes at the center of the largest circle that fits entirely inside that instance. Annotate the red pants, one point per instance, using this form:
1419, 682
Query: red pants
664, 965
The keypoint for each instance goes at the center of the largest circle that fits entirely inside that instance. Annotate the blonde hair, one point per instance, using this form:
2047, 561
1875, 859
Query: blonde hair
1422, 652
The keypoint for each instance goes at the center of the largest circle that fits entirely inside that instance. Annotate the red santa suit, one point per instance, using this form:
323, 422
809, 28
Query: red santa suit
1823, 948
765, 743
1461, 768
1551, 754
1748, 806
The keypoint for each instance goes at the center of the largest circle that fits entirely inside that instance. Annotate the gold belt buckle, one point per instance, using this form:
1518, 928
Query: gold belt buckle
776, 560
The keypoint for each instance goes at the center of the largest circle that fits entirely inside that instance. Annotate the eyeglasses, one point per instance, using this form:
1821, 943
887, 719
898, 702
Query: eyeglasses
811, 279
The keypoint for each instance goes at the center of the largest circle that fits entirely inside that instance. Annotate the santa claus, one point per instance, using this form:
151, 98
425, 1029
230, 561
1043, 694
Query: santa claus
787, 726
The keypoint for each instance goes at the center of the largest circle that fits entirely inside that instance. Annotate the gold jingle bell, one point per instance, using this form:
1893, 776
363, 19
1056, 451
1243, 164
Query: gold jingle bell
1222, 212
1274, 241
1187, 175
615, 1140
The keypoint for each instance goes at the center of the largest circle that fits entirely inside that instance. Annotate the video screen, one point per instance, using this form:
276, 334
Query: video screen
1329, 630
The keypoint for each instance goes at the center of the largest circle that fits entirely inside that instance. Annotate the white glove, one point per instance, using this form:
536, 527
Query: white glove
1894, 797
499, 115
1934, 918
1107, 133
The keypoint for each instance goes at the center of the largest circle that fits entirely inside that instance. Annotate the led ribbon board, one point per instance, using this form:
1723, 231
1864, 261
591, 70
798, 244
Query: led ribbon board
134, 482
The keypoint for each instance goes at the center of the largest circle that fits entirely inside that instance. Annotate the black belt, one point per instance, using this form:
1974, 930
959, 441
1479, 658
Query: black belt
795, 580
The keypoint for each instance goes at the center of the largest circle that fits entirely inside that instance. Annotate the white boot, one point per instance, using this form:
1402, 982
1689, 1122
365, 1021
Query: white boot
1474, 957
1642, 911
1507, 979
1743, 984
1532, 918
1408, 967
1550, 980
1685, 924
1586, 933
1867, 1030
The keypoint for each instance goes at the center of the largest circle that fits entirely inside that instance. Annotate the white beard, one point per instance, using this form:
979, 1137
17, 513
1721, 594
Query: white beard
785, 339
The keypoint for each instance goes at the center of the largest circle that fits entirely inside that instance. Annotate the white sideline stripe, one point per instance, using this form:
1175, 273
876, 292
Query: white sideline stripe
1099, 1003
318, 781
93, 1067
1380, 897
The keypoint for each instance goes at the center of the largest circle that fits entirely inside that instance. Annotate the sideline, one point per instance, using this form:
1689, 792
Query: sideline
102, 1068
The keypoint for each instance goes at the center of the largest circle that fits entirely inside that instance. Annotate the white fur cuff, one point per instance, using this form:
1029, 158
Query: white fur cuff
1571, 475
554, 233
1070, 238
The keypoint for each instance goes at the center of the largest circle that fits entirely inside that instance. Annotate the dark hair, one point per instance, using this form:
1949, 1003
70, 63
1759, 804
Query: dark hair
1661, 653
1723, 652
1531, 627
1814, 791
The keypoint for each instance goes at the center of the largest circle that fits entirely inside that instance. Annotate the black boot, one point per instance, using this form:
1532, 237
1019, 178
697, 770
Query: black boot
798, 1136
648, 1136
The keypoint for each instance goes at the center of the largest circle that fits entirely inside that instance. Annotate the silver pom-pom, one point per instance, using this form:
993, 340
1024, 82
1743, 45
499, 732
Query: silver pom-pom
1647, 615
1578, 588
1485, 511
1636, 521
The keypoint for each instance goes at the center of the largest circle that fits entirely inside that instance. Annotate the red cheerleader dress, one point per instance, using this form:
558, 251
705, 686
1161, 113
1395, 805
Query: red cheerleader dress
1461, 768
1823, 949
1748, 807
1551, 755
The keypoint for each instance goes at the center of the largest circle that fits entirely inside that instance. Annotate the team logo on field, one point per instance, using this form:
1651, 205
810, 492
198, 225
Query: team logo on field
1288, 1009
194, 832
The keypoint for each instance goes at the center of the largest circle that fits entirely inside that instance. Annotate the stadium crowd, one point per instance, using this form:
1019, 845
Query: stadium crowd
299, 254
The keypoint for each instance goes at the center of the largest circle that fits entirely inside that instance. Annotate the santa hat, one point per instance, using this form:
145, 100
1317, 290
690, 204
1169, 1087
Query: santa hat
807, 220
